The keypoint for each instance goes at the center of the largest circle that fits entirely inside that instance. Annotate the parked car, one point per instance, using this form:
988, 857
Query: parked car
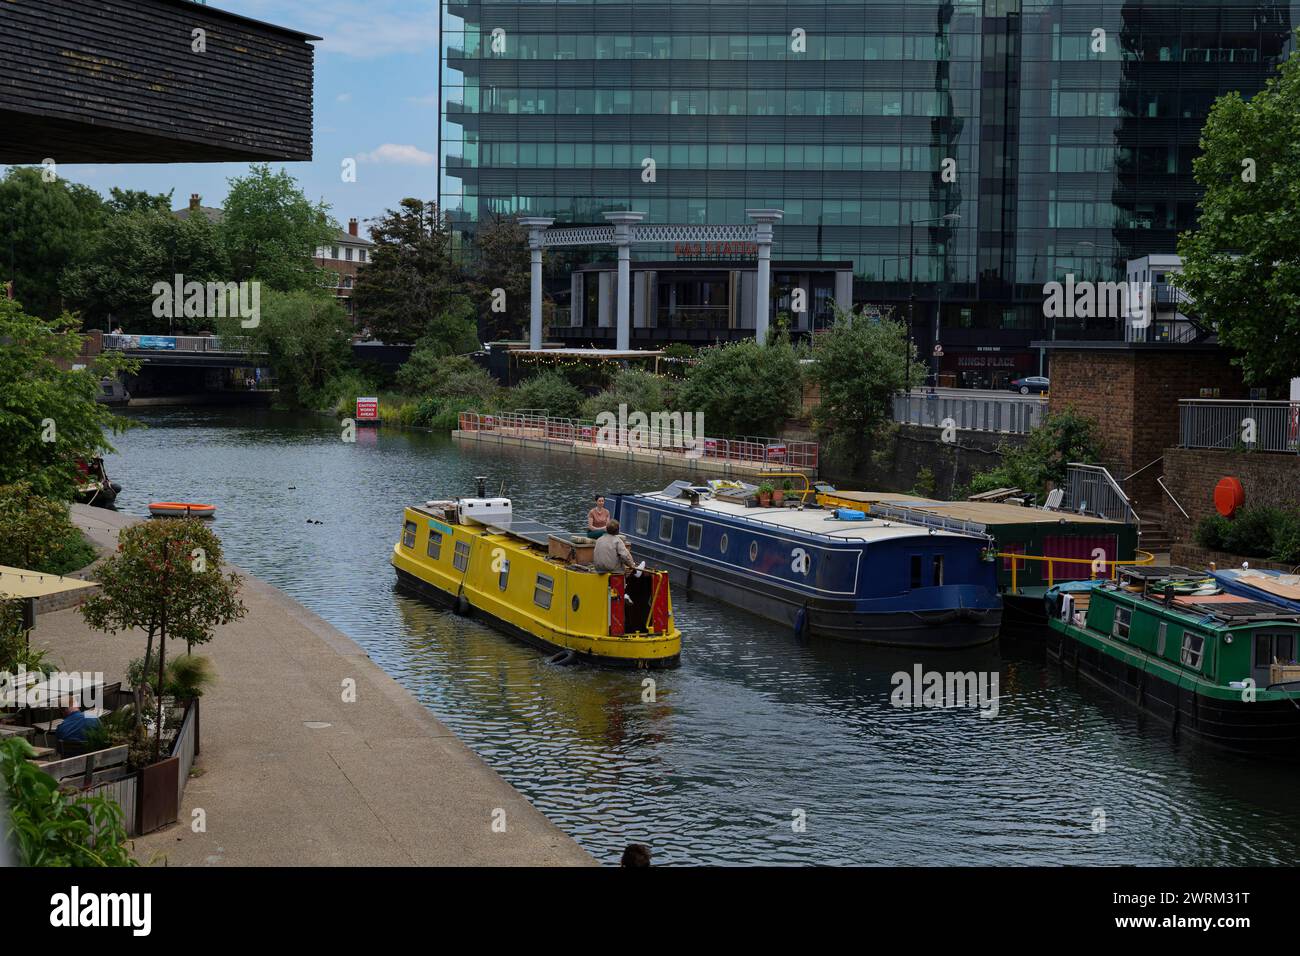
1031, 383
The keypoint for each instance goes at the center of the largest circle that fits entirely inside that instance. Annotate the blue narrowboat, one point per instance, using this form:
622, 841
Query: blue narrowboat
829, 572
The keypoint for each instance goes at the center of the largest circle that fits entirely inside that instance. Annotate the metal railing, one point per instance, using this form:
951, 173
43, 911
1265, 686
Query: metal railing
658, 435
1244, 425
1112, 567
1017, 416
177, 343
1092, 490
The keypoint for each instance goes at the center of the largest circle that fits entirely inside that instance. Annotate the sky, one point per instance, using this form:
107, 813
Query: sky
376, 102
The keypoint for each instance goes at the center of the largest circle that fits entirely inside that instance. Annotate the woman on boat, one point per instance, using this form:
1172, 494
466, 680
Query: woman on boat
597, 518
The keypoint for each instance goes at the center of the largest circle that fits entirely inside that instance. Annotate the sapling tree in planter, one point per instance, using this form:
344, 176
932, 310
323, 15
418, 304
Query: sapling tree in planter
166, 579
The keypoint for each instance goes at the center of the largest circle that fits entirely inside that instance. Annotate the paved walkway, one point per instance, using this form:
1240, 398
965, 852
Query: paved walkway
293, 775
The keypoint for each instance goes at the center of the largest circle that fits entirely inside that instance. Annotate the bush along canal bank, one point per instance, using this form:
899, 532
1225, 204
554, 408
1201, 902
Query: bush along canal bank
312, 755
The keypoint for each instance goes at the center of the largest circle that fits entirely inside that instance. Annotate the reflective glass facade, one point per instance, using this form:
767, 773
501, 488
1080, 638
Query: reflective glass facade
1060, 132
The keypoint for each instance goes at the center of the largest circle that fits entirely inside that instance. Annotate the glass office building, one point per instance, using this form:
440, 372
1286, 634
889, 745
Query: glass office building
1006, 143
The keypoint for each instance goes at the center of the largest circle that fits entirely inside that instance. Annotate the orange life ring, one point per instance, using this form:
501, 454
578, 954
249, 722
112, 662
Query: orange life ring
1228, 496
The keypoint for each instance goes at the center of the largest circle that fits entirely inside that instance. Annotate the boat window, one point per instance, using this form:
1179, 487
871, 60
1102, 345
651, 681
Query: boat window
1161, 635
1271, 649
408, 535
503, 577
1193, 649
435, 545
1123, 619
916, 571
938, 570
723, 542
694, 535
753, 550
461, 558
543, 590
642, 522
665, 528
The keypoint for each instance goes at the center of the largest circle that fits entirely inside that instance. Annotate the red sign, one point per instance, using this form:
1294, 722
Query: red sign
715, 250
367, 409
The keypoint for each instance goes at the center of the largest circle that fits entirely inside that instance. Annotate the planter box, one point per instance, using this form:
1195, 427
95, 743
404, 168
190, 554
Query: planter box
158, 795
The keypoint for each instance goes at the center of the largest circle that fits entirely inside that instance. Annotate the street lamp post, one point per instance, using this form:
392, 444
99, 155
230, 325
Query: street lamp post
911, 283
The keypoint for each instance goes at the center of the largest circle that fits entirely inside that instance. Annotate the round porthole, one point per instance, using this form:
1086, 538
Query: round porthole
722, 543
753, 550
575, 602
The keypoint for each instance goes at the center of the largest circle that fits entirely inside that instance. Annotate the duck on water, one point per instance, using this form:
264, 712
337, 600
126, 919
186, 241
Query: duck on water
831, 572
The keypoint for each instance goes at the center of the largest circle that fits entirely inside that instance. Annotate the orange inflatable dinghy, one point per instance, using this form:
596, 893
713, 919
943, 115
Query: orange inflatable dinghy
181, 509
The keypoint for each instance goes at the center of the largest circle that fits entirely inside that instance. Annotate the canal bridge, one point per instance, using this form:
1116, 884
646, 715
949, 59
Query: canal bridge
197, 367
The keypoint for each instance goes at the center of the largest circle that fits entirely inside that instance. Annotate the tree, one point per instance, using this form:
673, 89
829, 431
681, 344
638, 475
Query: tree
411, 278
1062, 438
1240, 265
165, 578
32, 529
48, 415
859, 364
271, 231
743, 388
137, 200
44, 227
501, 261
307, 338
113, 279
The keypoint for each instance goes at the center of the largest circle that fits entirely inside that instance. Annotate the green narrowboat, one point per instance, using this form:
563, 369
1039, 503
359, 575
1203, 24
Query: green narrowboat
1216, 666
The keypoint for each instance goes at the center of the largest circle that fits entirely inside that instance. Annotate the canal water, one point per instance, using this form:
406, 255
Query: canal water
759, 749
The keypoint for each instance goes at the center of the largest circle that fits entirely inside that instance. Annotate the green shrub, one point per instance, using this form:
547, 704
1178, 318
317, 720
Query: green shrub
1212, 531
1262, 531
1251, 531
1286, 539
743, 388
45, 828
636, 388
549, 390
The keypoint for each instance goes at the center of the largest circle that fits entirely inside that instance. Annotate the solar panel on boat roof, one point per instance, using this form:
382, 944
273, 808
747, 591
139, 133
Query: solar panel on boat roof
1251, 609
529, 530
1155, 573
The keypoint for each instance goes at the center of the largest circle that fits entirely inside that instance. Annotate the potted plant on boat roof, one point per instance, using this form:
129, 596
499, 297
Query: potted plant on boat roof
778, 494
765, 495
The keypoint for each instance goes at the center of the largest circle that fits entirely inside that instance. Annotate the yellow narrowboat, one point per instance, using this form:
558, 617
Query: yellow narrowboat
536, 583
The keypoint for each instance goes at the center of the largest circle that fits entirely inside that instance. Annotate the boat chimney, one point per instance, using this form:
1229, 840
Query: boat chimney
481, 481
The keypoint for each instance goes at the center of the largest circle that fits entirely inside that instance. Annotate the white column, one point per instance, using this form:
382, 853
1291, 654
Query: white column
536, 226
765, 219
623, 222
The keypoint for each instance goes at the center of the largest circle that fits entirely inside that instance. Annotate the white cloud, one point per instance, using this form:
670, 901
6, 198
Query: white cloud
397, 155
344, 97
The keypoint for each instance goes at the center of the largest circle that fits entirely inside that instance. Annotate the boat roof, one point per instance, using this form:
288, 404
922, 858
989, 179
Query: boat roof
812, 521
984, 512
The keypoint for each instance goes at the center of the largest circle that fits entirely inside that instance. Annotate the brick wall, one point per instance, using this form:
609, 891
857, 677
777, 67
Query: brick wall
1133, 394
1192, 473
1197, 558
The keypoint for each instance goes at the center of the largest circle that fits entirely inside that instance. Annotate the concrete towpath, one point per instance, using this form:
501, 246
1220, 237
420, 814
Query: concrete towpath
291, 774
